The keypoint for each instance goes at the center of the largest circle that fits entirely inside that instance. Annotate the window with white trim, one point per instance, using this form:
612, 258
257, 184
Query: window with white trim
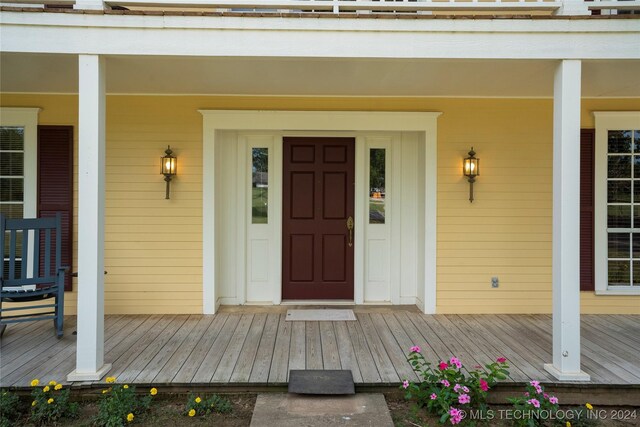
617, 203
18, 165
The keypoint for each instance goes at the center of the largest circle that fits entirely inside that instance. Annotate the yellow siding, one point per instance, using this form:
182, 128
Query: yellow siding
153, 246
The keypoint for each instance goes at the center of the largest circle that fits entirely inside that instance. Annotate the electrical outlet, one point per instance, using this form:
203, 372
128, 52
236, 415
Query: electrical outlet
494, 282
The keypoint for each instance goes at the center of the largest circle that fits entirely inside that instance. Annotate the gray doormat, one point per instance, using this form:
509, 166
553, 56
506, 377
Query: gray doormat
290, 410
321, 382
311, 315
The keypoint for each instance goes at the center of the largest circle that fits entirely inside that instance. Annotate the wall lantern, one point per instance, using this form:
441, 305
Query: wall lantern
471, 169
168, 167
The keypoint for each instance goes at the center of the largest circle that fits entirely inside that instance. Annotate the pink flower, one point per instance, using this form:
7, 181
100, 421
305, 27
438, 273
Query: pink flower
534, 402
526, 393
546, 396
457, 387
433, 396
478, 367
456, 362
455, 415
405, 384
538, 389
501, 359
415, 349
484, 386
535, 383
445, 383
553, 400
443, 365
464, 398
465, 389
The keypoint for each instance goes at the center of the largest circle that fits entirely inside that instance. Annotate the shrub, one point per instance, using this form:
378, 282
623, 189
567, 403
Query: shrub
196, 406
8, 408
51, 403
537, 407
120, 405
446, 391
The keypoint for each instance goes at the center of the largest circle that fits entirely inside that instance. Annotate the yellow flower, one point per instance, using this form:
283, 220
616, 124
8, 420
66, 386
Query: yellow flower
34, 383
34, 403
198, 400
105, 391
50, 401
589, 406
130, 417
111, 380
153, 391
58, 387
125, 386
52, 382
192, 412
568, 424
46, 389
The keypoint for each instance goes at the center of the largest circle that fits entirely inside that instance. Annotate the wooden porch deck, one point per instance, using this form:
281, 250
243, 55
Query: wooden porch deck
258, 347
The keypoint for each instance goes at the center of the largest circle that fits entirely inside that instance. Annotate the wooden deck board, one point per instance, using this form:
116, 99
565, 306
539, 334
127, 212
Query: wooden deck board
187, 371
260, 368
242, 370
348, 359
214, 355
260, 347
232, 353
279, 371
314, 346
330, 354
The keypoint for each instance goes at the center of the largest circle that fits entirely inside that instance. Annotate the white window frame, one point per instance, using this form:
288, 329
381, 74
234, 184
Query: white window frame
605, 121
26, 118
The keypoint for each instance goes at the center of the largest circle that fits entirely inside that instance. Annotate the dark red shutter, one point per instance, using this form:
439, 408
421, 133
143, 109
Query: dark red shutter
587, 142
55, 184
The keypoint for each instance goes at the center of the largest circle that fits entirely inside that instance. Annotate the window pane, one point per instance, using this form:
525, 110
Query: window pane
619, 167
619, 274
7, 243
12, 211
619, 245
636, 245
11, 138
11, 189
636, 273
619, 141
636, 137
260, 186
619, 216
376, 185
619, 191
11, 164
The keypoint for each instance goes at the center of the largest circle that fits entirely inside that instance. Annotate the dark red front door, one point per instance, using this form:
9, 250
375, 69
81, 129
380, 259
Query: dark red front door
318, 199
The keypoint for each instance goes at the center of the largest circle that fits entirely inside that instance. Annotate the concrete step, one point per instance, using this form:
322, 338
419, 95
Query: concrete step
290, 410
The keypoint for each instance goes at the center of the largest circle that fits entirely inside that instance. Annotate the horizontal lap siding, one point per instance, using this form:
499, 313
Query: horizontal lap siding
153, 246
506, 231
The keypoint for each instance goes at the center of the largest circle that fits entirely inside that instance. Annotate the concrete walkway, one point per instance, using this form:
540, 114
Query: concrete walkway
291, 410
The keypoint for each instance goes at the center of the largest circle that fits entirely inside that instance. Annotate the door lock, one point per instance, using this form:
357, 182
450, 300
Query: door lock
350, 228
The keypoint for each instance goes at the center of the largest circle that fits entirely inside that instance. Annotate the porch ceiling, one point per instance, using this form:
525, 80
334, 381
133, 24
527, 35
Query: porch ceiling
48, 73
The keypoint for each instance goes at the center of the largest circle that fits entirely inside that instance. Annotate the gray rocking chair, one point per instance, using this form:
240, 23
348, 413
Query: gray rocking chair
31, 275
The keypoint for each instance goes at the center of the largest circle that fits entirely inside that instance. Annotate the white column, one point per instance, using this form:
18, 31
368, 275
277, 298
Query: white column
208, 219
574, 8
430, 216
566, 223
91, 181
89, 4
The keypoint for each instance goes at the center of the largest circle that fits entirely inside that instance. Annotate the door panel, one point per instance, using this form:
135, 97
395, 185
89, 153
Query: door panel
318, 198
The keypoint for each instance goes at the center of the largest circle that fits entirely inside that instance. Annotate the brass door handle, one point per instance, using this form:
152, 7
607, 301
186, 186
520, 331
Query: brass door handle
350, 228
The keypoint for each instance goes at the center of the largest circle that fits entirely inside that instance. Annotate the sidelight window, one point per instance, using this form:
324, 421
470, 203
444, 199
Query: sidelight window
260, 185
377, 193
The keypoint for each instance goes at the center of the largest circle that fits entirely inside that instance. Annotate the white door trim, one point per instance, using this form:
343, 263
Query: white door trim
322, 121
